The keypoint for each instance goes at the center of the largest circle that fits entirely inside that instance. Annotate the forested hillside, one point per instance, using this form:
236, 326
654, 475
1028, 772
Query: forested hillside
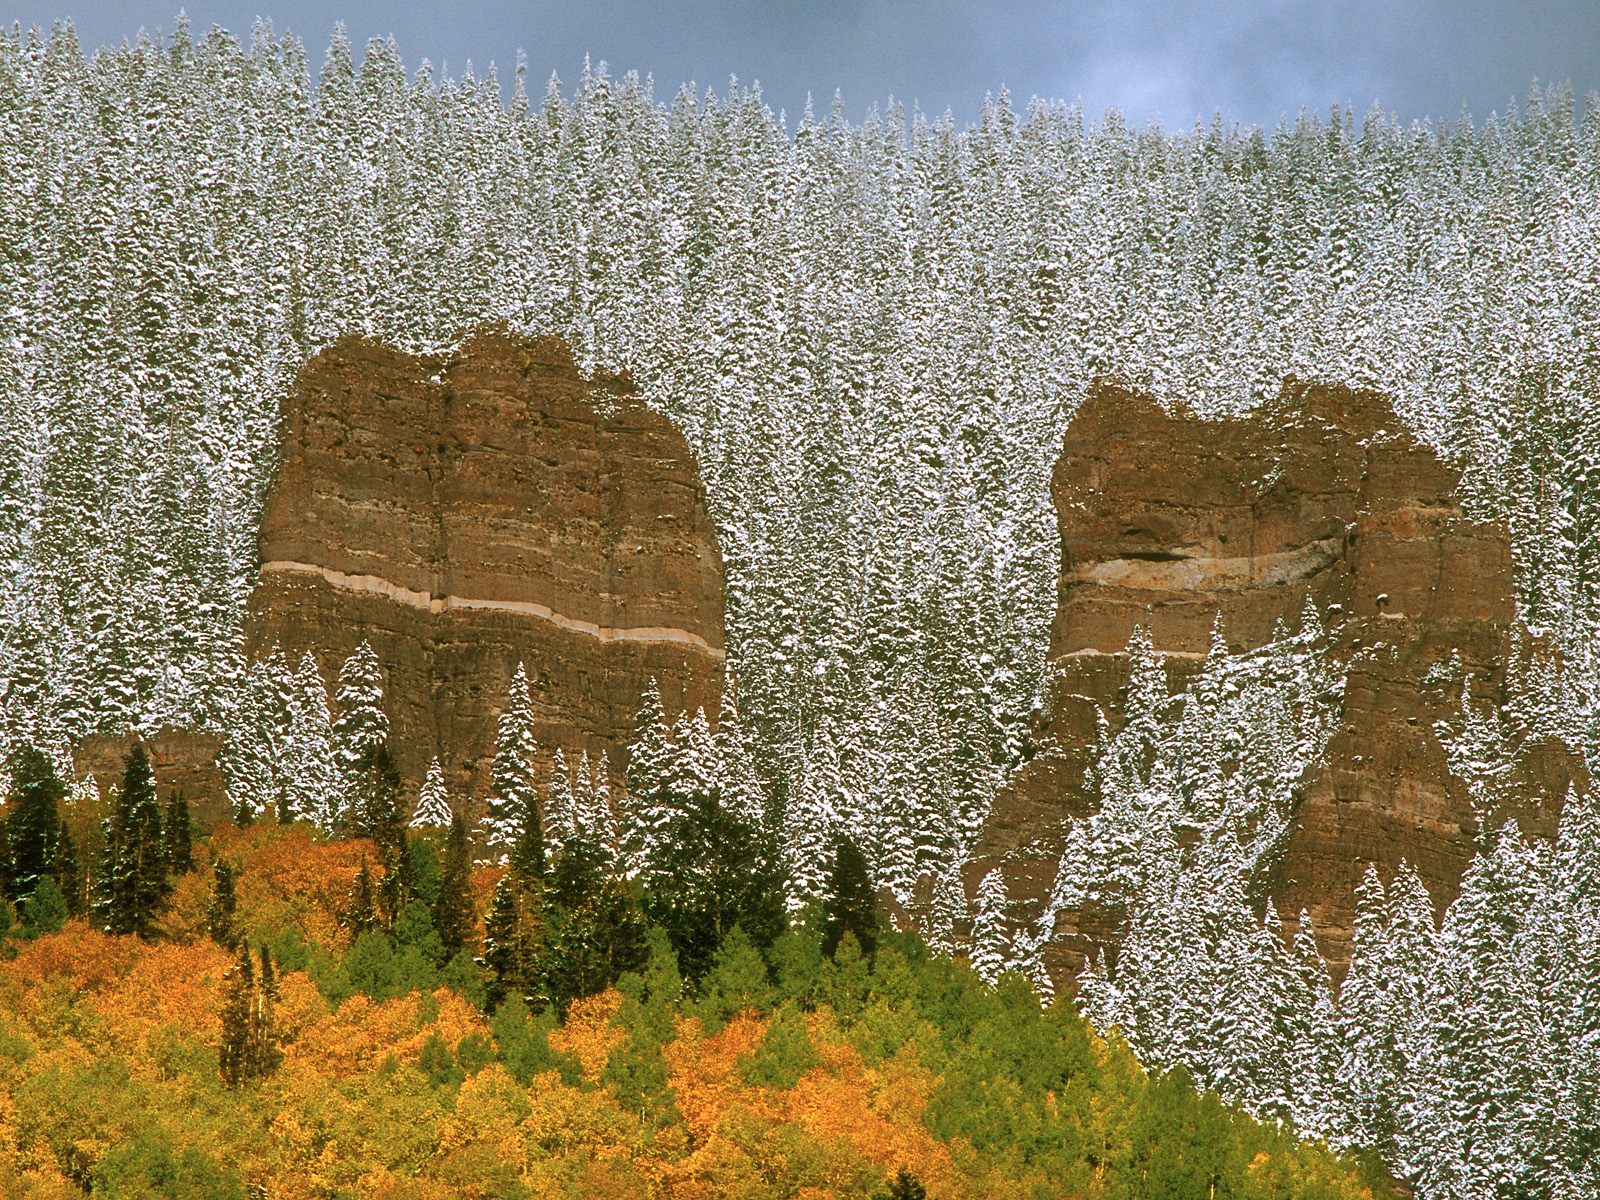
873, 335
274, 1012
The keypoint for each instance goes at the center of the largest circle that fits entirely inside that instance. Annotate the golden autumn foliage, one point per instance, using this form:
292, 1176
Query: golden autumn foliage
109, 1079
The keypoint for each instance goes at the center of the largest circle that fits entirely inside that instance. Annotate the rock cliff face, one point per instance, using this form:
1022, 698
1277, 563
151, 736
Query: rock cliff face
184, 761
1168, 520
470, 511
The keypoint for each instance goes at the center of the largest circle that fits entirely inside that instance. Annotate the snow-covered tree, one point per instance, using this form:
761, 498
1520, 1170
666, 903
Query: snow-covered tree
648, 807
991, 934
433, 803
359, 725
313, 783
560, 805
514, 790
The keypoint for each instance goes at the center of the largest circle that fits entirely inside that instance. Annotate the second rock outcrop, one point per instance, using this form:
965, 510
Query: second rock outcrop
1169, 521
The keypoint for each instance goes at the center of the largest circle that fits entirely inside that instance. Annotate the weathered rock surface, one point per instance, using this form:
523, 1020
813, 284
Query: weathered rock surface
1168, 520
469, 511
183, 761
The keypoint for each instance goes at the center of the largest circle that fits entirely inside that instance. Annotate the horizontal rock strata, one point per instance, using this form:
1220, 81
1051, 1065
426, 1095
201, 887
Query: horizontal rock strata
468, 511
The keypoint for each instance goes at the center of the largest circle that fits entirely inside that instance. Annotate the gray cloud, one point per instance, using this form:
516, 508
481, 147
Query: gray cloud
1255, 61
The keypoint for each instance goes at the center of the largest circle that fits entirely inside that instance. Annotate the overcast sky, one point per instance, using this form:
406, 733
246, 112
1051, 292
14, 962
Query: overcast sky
1256, 60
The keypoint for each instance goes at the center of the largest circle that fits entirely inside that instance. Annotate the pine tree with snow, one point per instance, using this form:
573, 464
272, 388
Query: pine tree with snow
740, 785
514, 815
312, 780
359, 726
560, 806
592, 803
433, 804
991, 940
948, 911
648, 807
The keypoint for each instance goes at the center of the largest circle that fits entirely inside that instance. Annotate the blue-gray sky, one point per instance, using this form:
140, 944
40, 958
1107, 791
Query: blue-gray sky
1255, 60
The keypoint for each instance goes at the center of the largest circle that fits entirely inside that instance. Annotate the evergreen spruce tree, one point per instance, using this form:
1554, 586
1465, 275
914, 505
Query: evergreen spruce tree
359, 726
514, 816
177, 836
310, 769
33, 822
851, 902
360, 913
223, 903
527, 855
593, 928
6, 887
509, 944
69, 876
374, 812
991, 943
134, 883
713, 870
648, 807
453, 911
904, 1186
597, 820
433, 804
236, 1058
560, 807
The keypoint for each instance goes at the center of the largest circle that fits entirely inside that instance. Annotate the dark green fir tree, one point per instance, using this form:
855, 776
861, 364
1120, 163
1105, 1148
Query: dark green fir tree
34, 824
527, 854
178, 836
69, 876
361, 909
453, 910
510, 946
851, 903
376, 813
713, 871
133, 882
223, 903
903, 1186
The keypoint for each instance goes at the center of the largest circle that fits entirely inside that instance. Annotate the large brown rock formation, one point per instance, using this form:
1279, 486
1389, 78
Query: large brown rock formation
182, 760
1168, 520
468, 511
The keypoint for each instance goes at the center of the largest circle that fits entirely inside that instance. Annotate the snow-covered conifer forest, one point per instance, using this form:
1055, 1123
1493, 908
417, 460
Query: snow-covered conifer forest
873, 334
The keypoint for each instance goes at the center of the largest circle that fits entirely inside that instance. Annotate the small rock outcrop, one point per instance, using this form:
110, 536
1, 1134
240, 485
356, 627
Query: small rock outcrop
182, 760
1169, 520
468, 511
